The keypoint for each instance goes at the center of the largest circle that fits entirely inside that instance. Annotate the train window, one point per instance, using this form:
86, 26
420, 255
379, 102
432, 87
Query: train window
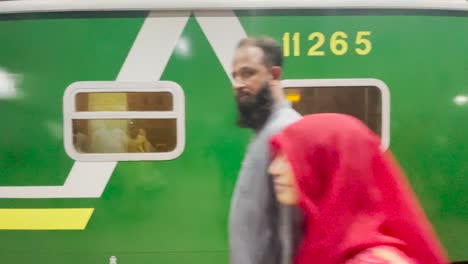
115, 121
366, 99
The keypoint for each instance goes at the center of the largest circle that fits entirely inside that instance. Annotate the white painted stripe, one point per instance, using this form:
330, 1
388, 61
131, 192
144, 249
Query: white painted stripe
145, 62
190, 5
223, 30
153, 46
88, 179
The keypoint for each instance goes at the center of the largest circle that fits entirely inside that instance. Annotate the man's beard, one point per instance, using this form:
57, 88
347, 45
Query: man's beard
255, 110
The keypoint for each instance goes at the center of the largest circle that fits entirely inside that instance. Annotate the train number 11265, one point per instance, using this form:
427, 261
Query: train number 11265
338, 44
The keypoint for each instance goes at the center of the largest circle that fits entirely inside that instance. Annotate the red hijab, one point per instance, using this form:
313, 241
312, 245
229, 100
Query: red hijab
353, 196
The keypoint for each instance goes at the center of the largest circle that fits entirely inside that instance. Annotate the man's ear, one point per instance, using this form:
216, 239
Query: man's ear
276, 72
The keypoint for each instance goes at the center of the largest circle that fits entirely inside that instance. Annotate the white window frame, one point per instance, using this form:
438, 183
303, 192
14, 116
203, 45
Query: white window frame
348, 84
70, 113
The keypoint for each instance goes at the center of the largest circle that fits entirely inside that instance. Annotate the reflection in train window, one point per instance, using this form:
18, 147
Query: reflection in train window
124, 136
125, 101
363, 102
124, 121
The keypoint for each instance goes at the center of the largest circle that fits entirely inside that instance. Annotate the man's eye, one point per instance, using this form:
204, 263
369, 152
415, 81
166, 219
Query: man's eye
247, 73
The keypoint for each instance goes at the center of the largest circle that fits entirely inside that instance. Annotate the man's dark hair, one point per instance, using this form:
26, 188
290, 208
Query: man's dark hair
273, 55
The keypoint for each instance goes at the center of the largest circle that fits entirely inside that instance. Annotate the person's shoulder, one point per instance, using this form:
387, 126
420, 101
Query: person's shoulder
288, 112
280, 120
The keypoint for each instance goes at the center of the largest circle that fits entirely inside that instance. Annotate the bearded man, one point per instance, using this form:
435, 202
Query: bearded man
261, 231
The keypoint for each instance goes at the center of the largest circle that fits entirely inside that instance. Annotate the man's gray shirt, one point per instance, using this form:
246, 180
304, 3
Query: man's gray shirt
260, 229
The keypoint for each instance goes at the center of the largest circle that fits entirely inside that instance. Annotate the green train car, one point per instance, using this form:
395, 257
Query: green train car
118, 141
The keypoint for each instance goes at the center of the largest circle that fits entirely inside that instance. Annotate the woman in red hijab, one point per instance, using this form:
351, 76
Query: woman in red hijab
358, 206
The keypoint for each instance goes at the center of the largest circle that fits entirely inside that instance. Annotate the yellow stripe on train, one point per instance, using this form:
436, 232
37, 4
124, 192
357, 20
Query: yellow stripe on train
45, 219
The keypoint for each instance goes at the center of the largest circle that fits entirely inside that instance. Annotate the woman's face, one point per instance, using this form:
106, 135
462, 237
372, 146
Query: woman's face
284, 181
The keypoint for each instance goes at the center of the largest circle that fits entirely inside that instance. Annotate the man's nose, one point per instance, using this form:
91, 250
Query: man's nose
237, 85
